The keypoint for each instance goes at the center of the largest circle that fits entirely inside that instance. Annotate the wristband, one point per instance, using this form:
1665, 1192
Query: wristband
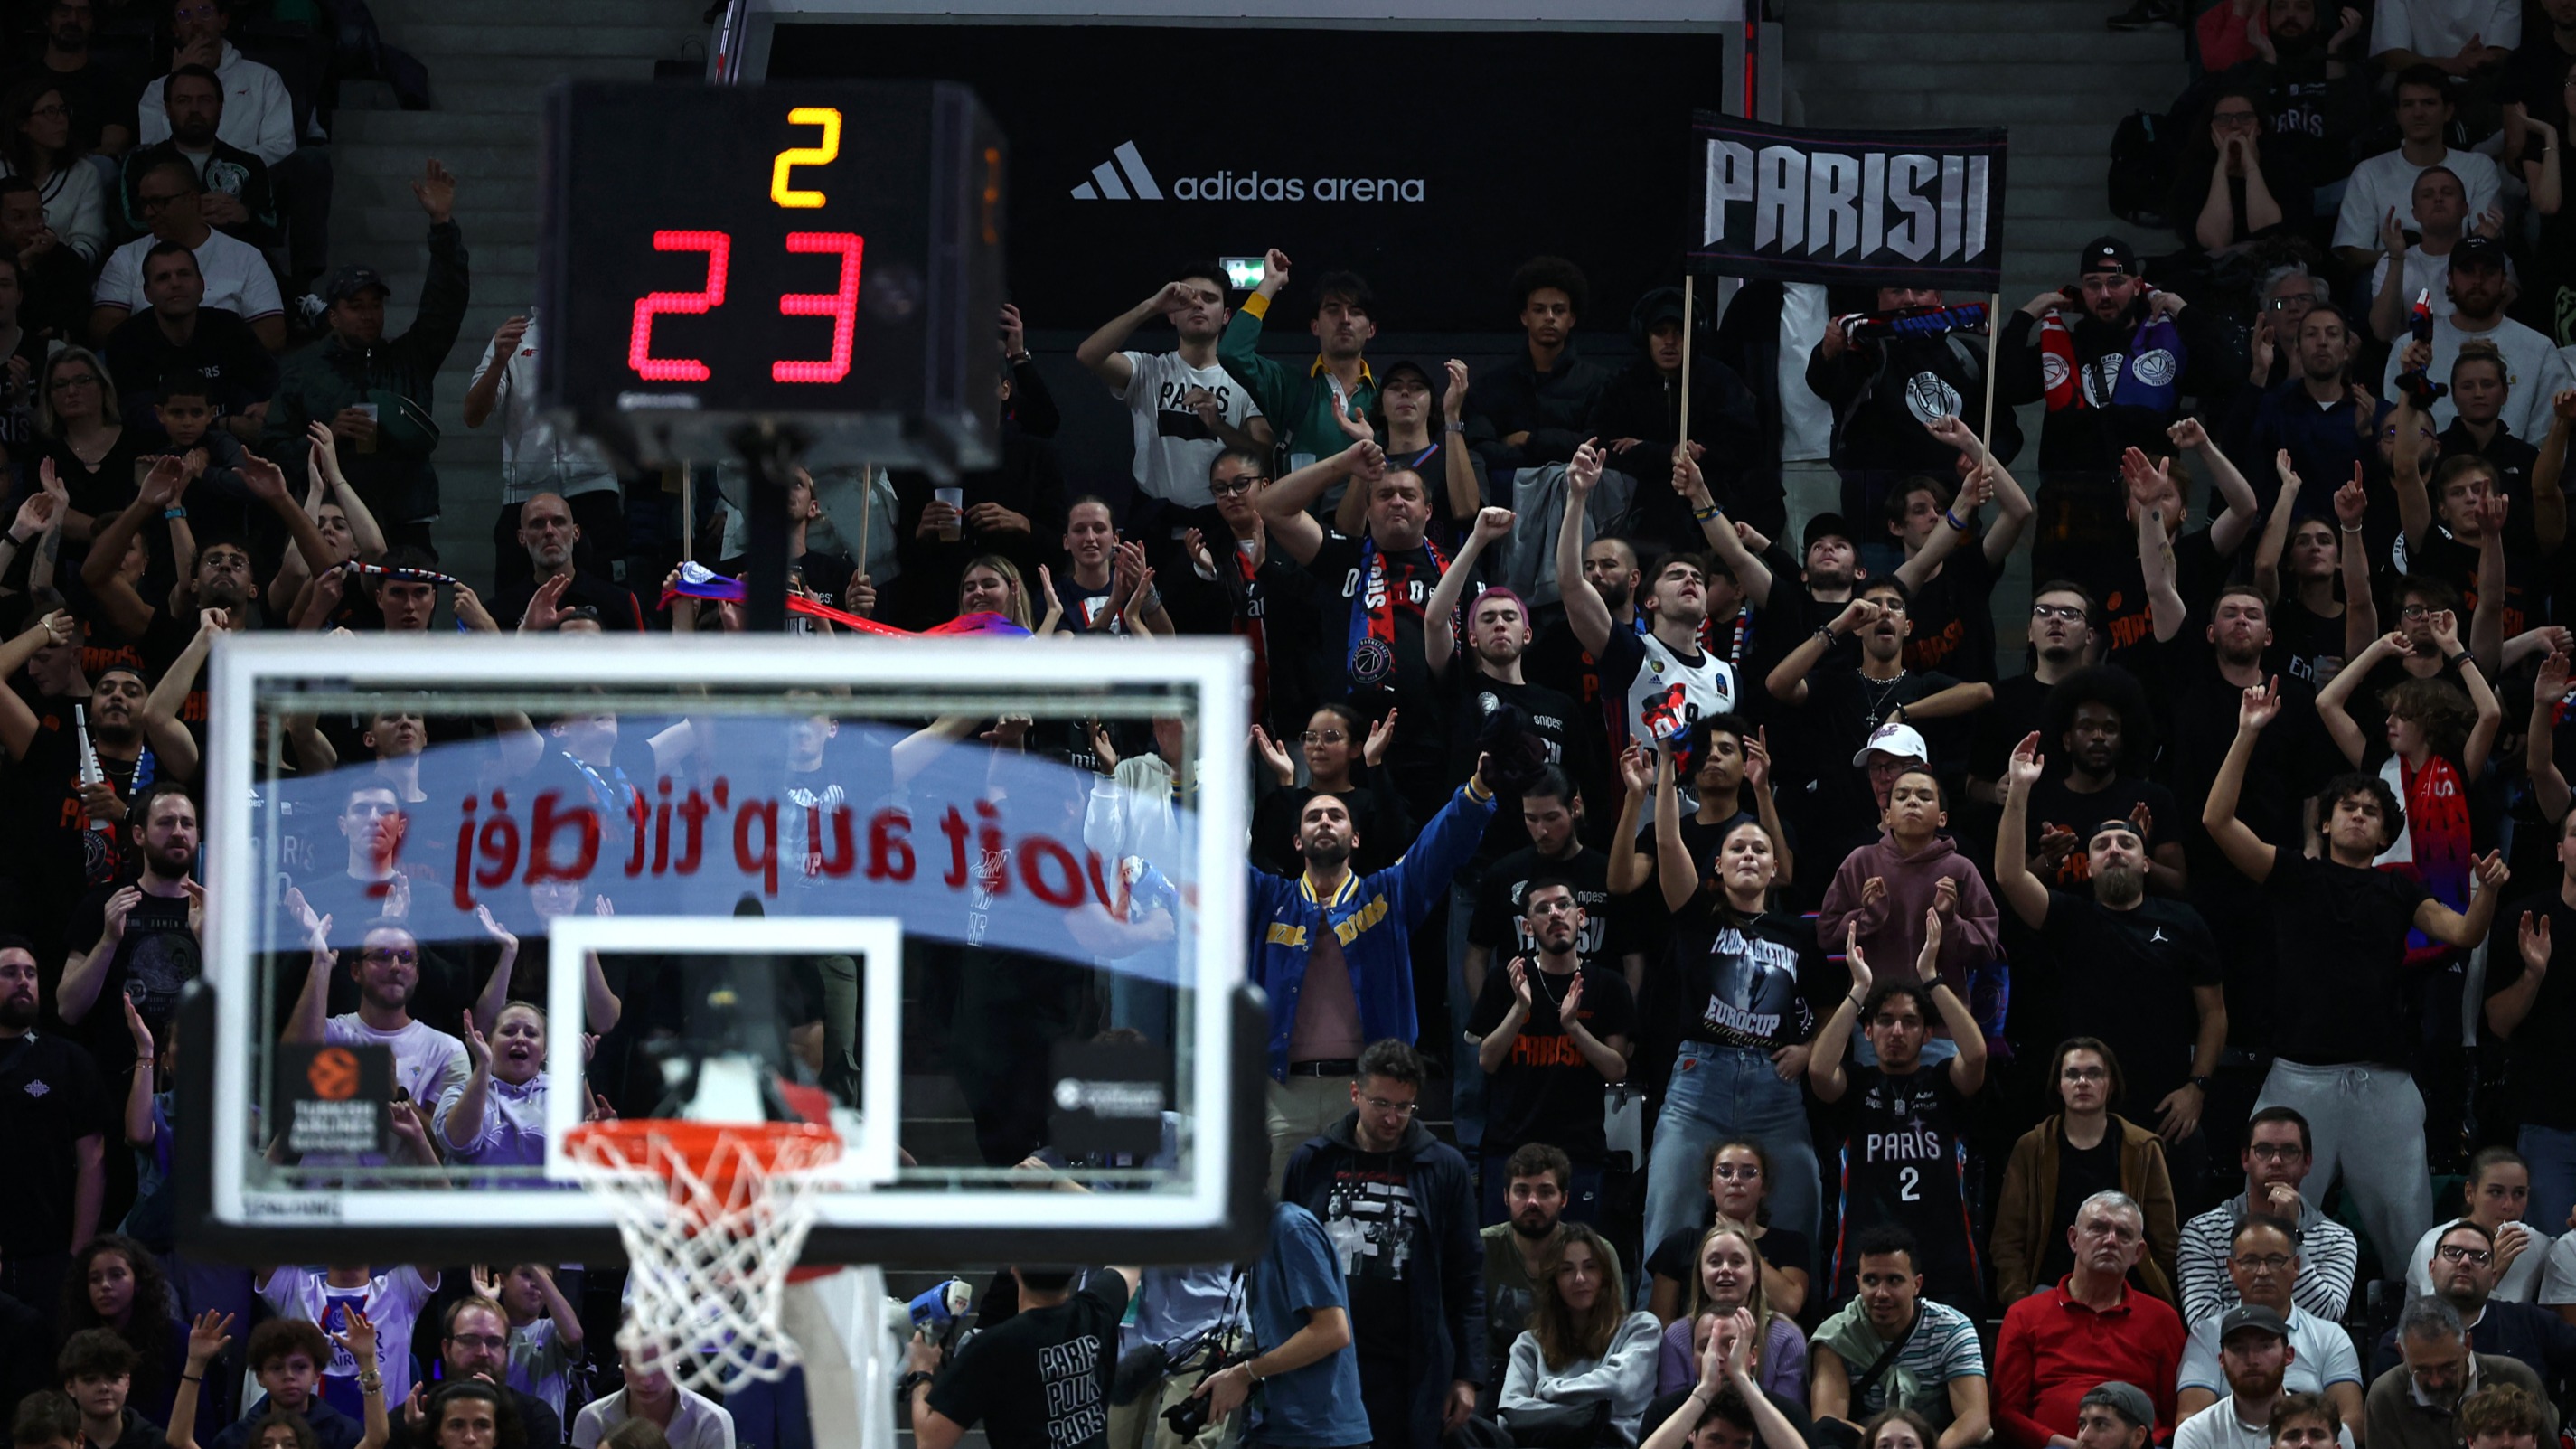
171, 513
1826, 636
1453, 427
1703, 515
1953, 520
2464, 660
16, 542
1016, 358
2350, 527
192, 1378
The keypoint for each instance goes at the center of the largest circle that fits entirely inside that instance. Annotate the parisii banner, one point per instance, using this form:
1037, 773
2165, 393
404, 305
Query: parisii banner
1888, 207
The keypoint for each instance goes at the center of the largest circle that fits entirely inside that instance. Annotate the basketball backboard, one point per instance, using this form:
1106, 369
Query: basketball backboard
831, 856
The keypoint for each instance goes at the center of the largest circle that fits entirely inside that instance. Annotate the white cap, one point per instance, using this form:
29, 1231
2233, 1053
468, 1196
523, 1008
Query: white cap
1900, 741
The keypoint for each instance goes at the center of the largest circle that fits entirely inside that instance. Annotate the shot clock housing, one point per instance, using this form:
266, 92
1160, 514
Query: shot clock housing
824, 255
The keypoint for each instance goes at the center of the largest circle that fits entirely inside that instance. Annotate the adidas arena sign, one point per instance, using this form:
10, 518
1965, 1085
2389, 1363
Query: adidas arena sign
1125, 177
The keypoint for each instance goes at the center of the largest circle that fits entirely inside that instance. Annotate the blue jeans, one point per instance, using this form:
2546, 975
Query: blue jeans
1716, 1093
2551, 1151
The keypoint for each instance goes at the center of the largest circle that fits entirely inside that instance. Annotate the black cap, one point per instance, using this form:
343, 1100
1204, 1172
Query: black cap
2124, 1399
1386, 374
2475, 253
1827, 525
348, 282
2107, 254
2255, 1316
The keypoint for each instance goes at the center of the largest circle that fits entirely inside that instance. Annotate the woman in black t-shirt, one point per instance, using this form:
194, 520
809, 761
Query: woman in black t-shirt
1749, 978
1342, 752
1739, 1190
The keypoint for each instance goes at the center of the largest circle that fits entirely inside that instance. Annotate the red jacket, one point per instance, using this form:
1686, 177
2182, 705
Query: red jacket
2053, 1351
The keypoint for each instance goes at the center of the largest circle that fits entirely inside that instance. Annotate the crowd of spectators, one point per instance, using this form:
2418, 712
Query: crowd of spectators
2110, 1036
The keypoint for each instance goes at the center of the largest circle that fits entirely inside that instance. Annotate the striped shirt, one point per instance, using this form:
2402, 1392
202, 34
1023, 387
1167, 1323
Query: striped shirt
2328, 1257
1942, 1347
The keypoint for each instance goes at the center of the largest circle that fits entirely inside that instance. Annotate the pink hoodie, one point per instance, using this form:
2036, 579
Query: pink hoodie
1891, 931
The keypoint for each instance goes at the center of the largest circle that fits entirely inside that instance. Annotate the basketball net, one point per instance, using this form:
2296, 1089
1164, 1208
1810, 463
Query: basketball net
713, 1216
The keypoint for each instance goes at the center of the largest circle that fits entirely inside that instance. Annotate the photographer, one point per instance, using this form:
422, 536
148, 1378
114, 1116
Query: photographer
1038, 1381
1303, 1364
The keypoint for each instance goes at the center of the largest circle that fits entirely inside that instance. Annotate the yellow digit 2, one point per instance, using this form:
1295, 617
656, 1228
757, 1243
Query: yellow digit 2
795, 156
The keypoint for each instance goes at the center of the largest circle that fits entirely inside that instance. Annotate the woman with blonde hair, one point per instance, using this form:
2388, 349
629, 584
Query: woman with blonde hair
1727, 1277
1582, 1346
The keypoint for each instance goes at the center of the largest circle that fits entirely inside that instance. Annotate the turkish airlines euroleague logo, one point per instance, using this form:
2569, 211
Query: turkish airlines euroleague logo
333, 1074
1126, 177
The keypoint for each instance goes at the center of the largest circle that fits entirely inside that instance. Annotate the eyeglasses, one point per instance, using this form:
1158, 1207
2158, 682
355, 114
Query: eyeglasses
2071, 613
2263, 1262
50, 112
2085, 1074
2414, 611
1243, 483
2456, 1253
147, 205
1736, 1174
1381, 1104
1322, 737
2276, 1151
479, 1340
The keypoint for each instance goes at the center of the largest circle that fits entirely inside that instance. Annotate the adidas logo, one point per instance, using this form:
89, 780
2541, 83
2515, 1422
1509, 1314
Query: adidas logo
1138, 185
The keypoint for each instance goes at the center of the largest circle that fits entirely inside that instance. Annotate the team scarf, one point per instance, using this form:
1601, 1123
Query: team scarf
1251, 622
1371, 655
2434, 842
2146, 376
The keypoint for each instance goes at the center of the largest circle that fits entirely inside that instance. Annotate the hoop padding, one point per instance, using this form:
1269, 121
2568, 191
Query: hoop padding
713, 1215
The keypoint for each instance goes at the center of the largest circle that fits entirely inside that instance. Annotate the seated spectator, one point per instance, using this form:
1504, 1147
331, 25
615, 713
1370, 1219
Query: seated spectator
2546, 71
475, 1345
1541, 407
1890, 1350
2464, 1276
2258, 1412
2245, 31
468, 1414
2444, 36
1902, 1162
1308, 406
2114, 377
286, 1356
1342, 755
1725, 1408
2263, 1263
1739, 1185
551, 541
372, 390
258, 113
2058, 1344
1582, 1346
1185, 408
236, 198
2277, 1159
236, 276
118, 1286
176, 332
2383, 186
36, 143
45, 1419
2416, 1403
55, 279
2076, 1152
1885, 386
2421, 268
1727, 1280
1537, 1178
1640, 416
83, 445
101, 94
1551, 1030
688, 1419
2115, 1415
96, 1369
2227, 194
2501, 1418
2534, 370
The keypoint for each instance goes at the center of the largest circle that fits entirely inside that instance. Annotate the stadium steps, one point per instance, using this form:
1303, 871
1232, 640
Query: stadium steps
489, 63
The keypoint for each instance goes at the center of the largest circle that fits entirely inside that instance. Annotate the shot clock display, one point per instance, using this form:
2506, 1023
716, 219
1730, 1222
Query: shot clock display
825, 254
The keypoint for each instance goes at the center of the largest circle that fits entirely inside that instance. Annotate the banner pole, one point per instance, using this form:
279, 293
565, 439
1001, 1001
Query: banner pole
688, 514
1994, 337
1690, 344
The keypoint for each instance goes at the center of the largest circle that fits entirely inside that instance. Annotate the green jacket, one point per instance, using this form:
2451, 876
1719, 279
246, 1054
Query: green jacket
1297, 401
397, 480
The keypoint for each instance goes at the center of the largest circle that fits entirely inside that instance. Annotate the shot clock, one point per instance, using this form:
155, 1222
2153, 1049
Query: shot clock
824, 255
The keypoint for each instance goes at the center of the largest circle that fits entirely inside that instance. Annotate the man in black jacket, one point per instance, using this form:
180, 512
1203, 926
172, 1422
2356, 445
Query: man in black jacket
177, 333
1539, 409
1397, 1205
1639, 421
2113, 358
1886, 386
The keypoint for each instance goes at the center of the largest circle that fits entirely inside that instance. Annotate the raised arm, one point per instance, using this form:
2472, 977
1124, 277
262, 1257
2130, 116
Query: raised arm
1787, 680
2548, 505
2276, 529
463, 1123
2388, 303
2245, 850
1766, 806
2466, 929
1675, 871
1629, 867
17, 722
170, 692
2228, 531
1752, 575
1825, 1063
2020, 889
1101, 351
1957, 522
364, 532
1457, 460
1585, 614
2360, 609
1284, 504
2332, 708
2486, 618
140, 1129
127, 611
2405, 467
312, 1004
2507, 1009
2156, 563
2540, 742
1439, 642
2473, 678
207, 1339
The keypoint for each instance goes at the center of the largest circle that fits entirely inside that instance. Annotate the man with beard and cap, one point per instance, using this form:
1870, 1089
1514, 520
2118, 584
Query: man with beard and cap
1334, 951
2113, 377
2384, 185
51, 1106
1537, 1184
2263, 1260
140, 940
2465, 1272
236, 200
1551, 1030
2150, 979
2413, 1404
1301, 402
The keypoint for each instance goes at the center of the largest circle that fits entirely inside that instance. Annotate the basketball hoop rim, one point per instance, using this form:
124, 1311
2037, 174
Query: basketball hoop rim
635, 1148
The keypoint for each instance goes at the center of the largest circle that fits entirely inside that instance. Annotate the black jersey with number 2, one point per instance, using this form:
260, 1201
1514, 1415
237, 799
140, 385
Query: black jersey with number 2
1905, 1161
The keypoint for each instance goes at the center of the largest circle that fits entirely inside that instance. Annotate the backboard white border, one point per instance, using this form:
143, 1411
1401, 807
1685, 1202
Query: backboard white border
1218, 669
